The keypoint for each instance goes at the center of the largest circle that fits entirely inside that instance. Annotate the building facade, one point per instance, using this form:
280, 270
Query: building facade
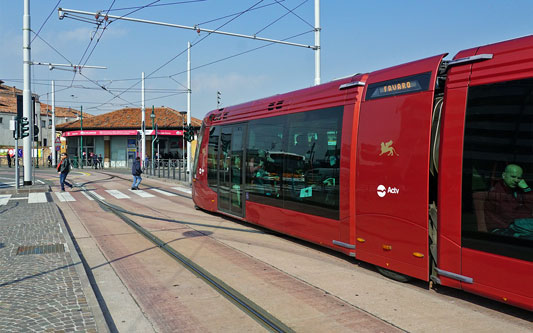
115, 136
42, 119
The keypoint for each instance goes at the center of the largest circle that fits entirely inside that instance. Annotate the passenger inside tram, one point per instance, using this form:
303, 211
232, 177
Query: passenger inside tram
509, 205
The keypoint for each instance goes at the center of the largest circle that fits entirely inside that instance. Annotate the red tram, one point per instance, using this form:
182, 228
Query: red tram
396, 167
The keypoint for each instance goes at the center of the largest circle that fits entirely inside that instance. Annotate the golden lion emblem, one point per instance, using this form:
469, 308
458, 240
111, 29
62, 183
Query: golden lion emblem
386, 147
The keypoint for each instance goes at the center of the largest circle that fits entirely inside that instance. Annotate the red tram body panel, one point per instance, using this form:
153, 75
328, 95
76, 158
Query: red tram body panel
359, 164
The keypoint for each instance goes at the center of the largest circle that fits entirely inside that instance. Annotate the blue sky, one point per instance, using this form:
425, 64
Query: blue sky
357, 36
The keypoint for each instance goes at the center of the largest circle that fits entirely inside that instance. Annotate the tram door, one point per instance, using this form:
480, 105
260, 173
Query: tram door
230, 170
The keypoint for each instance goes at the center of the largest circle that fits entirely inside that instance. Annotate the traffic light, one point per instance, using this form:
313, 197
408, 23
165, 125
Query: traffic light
24, 129
189, 133
35, 133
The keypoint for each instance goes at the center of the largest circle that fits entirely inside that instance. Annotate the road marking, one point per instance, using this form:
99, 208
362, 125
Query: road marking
98, 196
37, 197
117, 194
87, 196
142, 193
64, 196
4, 198
183, 189
39, 181
168, 194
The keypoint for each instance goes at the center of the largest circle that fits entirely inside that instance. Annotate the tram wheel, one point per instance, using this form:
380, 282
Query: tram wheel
394, 275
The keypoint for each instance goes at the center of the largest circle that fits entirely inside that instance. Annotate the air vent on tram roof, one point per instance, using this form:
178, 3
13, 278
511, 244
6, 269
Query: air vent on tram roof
275, 105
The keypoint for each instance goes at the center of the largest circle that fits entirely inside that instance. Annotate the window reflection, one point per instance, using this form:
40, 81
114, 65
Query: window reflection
498, 169
293, 161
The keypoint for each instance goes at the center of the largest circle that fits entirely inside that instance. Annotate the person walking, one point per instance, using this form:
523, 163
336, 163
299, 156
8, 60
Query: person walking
95, 161
63, 169
8, 159
136, 171
100, 161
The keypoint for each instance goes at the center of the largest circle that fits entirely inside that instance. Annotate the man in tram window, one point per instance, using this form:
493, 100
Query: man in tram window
509, 205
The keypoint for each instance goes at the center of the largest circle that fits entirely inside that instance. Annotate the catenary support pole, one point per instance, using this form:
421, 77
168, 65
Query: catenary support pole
143, 126
54, 154
317, 42
189, 178
26, 94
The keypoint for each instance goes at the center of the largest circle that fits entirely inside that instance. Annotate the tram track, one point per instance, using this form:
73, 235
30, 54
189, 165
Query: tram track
253, 310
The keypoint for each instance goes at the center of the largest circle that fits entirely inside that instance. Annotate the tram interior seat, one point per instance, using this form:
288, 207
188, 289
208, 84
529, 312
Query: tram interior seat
479, 207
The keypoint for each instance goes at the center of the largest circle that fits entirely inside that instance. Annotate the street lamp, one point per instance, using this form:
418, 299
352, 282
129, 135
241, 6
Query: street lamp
152, 116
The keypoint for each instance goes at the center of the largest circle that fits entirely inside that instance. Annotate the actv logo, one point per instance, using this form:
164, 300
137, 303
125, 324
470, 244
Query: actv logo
382, 190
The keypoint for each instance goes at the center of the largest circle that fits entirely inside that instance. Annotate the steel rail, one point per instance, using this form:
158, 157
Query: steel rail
242, 302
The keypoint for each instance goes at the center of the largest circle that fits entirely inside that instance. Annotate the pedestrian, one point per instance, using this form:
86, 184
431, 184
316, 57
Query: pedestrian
63, 169
95, 161
9, 159
49, 160
136, 171
100, 161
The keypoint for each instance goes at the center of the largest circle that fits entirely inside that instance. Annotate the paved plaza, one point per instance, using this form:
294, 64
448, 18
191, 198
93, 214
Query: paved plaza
42, 282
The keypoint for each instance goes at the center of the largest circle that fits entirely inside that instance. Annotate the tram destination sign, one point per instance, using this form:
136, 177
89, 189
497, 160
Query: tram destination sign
400, 86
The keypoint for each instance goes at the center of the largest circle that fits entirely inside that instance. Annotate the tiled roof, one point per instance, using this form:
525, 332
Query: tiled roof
8, 103
64, 112
130, 118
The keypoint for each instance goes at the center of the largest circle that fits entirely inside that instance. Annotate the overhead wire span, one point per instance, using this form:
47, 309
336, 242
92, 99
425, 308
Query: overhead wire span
182, 52
159, 5
282, 16
46, 20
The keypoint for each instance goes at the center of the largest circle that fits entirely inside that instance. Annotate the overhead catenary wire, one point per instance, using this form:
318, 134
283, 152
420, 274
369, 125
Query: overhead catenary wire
158, 5
46, 20
117, 92
185, 50
289, 11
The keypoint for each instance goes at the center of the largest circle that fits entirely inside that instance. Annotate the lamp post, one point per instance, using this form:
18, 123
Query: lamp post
152, 116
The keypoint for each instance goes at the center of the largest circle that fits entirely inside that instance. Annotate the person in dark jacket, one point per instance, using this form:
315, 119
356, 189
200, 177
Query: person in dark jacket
136, 171
9, 159
63, 169
95, 161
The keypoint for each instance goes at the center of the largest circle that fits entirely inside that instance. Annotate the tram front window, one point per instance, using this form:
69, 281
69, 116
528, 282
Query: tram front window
497, 205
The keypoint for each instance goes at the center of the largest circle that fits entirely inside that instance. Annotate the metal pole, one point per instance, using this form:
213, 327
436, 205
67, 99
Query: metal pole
26, 94
188, 109
81, 135
16, 158
153, 118
54, 160
143, 126
317, 42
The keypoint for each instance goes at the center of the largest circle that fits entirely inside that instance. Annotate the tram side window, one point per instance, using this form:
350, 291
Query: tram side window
212, 157
264, 160
311, 175
497, 202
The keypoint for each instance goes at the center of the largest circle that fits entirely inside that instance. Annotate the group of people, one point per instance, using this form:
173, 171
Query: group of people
64, 166
96, 161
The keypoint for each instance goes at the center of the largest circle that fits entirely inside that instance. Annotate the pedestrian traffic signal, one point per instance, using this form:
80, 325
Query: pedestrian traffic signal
24, 124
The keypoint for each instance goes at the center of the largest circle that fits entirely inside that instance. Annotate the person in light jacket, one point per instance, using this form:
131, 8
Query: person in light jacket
136, 171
